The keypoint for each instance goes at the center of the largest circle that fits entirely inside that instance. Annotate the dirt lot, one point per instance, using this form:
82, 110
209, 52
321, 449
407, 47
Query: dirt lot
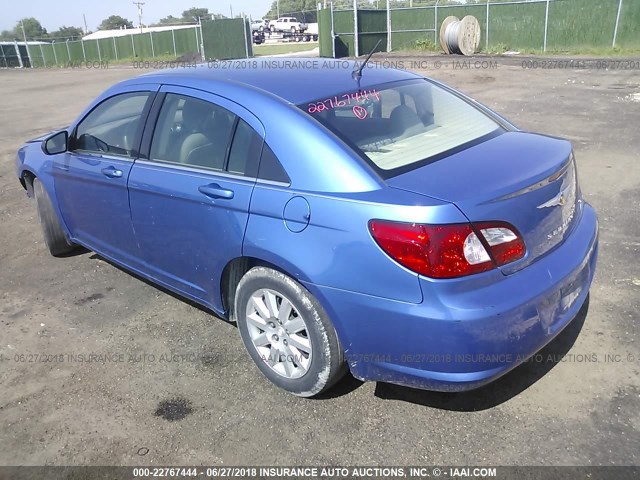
179, 389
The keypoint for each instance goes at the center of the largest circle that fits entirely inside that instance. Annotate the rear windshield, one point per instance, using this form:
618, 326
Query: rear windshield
402, 126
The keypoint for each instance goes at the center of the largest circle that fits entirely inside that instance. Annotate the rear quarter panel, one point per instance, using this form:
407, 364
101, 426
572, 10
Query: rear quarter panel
336, 248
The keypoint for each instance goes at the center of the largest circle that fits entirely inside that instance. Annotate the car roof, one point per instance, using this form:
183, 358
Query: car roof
294, 79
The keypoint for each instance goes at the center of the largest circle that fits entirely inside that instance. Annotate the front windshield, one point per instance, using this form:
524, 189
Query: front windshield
402, 124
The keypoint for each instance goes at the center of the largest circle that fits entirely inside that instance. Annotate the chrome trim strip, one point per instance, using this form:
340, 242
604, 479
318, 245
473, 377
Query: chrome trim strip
538, 185
211, 171
273, 183
100, 156
184, 168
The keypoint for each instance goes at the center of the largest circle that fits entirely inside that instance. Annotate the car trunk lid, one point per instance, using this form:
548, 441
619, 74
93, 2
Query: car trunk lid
524, 179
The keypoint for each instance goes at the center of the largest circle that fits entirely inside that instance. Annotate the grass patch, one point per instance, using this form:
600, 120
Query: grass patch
498, 49
574, 51
427, 45
592, 51
280, 48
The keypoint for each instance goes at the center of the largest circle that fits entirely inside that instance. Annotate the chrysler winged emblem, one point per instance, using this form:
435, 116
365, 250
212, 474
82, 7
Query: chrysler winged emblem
559, 200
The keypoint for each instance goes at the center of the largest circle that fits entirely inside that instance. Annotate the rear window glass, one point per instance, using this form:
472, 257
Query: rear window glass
400, 126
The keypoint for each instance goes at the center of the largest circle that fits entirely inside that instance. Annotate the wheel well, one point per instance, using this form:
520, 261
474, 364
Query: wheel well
27, 182
231, 276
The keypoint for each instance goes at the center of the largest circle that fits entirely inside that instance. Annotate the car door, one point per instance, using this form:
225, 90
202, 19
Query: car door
190, 197
91, 177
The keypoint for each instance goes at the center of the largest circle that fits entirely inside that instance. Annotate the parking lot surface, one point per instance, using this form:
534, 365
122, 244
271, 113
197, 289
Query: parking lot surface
99, 367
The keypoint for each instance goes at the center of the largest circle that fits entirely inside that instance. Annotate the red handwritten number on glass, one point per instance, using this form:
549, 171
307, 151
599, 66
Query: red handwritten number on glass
346, 99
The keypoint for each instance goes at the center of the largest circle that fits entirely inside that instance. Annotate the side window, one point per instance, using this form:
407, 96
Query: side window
270, 167
245, 151
113, 126
191, 131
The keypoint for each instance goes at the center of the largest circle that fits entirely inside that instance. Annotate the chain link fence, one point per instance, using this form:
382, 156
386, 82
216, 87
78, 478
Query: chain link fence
543, 25
215, 39
135, 45
11, 55
227, 38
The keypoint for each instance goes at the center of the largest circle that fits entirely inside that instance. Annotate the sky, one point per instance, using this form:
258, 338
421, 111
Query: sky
52, 14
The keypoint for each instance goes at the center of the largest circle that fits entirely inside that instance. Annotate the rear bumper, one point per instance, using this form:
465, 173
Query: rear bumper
468, 332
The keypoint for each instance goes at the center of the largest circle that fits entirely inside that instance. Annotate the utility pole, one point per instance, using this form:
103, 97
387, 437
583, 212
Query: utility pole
26, 45
201, 38
86, 28
356, 29
139, 5
615, 30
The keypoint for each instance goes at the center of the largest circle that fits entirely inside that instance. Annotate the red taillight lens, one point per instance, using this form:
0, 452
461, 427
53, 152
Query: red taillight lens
447, 251
505, 244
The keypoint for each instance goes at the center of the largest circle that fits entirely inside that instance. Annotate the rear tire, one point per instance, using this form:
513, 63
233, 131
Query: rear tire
287, 333
54, 236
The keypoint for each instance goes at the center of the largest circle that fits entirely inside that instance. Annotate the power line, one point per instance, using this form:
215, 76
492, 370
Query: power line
139, 5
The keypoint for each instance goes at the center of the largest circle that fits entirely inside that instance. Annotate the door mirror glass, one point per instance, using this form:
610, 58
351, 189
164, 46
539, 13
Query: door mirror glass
56, 143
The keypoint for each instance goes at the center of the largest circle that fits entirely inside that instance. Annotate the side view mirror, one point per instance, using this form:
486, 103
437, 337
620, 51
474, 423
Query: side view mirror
56, 143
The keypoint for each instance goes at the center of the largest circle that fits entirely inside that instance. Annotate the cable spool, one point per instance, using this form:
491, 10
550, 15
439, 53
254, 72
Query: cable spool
460, 36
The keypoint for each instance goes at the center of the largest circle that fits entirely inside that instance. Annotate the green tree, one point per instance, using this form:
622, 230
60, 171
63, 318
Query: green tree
67, 33
291, 6
190, 16
303, 10
7, 35
115, 22
170, 20
194, 13
32, 29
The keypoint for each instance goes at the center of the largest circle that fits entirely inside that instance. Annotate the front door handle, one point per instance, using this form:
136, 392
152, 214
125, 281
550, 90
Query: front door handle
214, 190
112, 172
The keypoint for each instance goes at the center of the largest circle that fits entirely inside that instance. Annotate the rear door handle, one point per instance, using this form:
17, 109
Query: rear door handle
112, 172
214, 190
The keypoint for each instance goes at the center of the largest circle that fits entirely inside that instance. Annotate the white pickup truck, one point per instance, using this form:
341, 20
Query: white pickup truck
287, 24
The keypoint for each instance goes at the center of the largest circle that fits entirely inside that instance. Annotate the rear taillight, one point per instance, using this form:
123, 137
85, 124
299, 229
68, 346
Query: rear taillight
448, 251
504, 242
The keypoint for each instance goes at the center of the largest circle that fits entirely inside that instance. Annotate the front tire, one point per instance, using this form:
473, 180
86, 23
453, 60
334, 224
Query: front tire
287, 333
54, 236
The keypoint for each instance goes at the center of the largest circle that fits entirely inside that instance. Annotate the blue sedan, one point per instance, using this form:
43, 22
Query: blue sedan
375, 221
